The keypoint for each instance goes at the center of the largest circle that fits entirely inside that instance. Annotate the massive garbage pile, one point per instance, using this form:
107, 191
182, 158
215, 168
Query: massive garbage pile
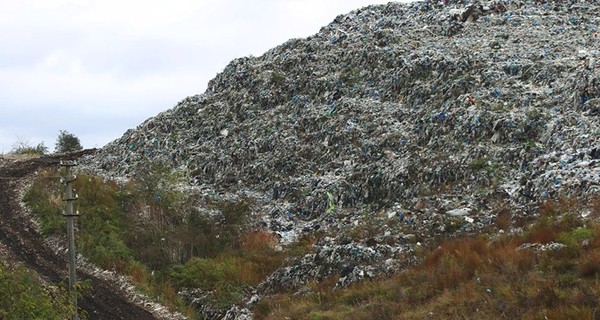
405, 120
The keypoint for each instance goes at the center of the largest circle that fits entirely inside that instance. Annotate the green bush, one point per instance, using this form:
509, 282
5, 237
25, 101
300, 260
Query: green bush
149, 229
277, 77
67, 142
199, 273
45, 202
23, 148
22, 296
221, 277
102, 239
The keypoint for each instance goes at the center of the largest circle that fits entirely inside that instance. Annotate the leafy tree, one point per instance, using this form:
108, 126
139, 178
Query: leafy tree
67, 142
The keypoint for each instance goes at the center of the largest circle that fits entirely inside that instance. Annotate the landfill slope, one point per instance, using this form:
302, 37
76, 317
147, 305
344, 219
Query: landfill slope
427, 117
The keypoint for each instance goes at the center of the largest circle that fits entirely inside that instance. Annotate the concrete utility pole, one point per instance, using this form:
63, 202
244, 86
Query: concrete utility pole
70, 197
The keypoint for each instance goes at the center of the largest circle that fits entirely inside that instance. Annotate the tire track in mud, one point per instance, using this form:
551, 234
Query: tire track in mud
19, 237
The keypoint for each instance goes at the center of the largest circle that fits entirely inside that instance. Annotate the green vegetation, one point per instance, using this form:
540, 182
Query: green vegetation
24, 148
351, 76
149, 230
475, 277
277, 77
484, 164
536, 114
228, 274
23, 296
530, 144
67, 142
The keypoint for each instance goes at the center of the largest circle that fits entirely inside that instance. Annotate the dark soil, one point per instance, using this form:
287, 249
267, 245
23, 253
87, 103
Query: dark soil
25, 245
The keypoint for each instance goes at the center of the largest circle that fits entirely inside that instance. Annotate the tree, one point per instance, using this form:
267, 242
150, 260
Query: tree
67, 142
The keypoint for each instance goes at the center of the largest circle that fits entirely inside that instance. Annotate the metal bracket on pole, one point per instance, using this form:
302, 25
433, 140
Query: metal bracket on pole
68, 163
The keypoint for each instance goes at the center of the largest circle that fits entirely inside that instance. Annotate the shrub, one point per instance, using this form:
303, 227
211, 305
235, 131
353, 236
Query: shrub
217, 277
462, 278
22, 147
22, 296
473, 277
46, 203
590, 266
67, 142
277, 77
503, 219
576, 237
199, 273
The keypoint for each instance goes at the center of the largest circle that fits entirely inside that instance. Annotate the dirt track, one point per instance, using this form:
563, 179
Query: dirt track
17, 235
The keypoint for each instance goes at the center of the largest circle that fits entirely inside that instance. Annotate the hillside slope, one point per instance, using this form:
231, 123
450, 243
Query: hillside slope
21, 242
391, 125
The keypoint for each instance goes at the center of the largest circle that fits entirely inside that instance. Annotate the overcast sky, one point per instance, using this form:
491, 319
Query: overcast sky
97, 68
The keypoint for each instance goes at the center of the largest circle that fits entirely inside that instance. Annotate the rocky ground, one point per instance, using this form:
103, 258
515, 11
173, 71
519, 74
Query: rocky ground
390, 126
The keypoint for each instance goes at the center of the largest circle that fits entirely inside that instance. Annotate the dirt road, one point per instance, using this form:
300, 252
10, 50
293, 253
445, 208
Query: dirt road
18, 236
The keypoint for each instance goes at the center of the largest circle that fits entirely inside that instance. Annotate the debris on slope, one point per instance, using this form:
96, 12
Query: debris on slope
394, 123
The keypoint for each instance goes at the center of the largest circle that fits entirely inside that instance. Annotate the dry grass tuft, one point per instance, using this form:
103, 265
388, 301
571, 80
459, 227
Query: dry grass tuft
259, 241
475, 278
503, 219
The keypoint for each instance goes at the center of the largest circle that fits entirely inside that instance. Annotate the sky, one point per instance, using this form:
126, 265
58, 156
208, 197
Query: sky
97, 68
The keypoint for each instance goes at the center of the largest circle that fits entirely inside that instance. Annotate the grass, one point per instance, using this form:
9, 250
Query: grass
104, 228
475, 277
232, 272
152, 236
24, 296
147, 231
21, 156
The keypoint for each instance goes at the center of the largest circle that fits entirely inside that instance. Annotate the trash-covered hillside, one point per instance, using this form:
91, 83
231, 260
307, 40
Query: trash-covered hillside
392, 124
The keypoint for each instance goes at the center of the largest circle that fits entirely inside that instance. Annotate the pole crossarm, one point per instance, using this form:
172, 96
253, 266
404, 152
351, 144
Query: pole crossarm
67, 163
